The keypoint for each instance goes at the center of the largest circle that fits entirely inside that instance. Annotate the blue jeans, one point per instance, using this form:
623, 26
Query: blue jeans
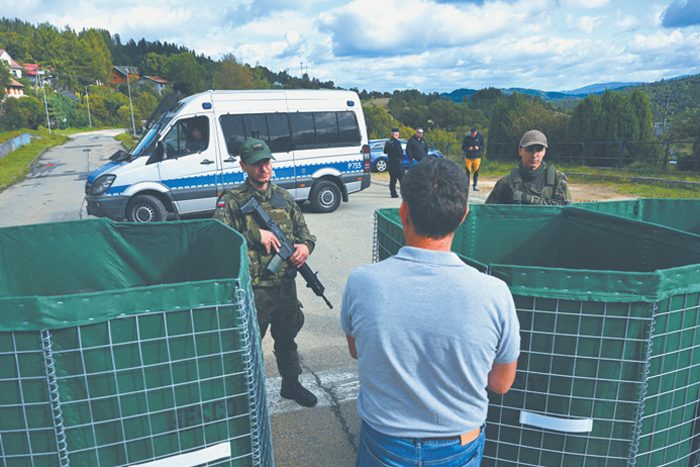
378, 450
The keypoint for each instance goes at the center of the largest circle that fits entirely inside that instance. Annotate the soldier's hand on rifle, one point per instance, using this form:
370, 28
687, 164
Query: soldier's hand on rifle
299, 257
269, 241
521, 198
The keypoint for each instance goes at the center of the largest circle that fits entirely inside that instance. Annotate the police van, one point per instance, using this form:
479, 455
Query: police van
189, 153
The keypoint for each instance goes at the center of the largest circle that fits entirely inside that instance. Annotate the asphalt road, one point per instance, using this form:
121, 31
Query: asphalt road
322, 436
54, 190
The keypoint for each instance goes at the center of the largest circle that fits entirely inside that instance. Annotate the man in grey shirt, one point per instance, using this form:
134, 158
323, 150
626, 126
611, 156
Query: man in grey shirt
430, 333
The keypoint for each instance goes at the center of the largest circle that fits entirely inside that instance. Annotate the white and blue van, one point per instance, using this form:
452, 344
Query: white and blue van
189, 153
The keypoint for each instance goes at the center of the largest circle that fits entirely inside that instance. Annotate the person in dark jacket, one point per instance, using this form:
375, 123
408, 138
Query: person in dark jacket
472, 145
532, 181
417, 148
394, 153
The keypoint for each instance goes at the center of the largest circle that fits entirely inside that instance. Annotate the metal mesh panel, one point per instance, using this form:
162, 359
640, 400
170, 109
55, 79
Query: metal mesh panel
137, 389
600, 381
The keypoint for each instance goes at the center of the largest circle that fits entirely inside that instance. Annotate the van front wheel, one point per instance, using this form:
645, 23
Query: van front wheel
325, 196
146, 208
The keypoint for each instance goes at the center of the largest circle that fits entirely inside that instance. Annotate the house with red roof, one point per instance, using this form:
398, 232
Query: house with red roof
120, 74
158, 83
15, 68
32, 71
15, 89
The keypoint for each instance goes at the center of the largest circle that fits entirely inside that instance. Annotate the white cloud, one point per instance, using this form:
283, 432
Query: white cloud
584, 3
657, 41
436, 45
586, 24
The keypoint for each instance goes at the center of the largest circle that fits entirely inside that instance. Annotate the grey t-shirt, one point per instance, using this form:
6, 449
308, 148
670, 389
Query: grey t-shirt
428, 329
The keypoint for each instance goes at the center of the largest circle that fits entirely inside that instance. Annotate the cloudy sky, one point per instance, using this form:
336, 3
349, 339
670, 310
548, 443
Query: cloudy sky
430, 45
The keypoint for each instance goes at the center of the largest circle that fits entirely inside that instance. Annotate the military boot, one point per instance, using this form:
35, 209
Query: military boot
292, 389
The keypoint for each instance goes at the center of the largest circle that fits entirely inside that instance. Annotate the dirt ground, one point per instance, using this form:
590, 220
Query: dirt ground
580, 192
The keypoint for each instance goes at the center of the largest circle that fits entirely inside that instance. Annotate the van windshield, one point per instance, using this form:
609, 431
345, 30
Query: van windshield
160, 117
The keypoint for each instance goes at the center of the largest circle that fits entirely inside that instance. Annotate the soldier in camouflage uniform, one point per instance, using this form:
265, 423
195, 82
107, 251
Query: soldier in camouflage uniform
275, 294
532, 182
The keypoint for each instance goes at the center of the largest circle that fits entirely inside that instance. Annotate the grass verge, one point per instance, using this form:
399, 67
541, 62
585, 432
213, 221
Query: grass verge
638, 180
17, 164
127, 139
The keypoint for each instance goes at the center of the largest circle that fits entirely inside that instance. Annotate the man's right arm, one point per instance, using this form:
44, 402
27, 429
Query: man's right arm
499, 191
501, 377
409, 149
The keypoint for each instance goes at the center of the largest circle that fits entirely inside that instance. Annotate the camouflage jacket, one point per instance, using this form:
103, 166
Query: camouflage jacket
547, 186
282, 208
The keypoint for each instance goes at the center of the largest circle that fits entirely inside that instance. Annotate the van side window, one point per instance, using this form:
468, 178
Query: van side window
280, 134
255, 126
303, 132
324, 129
232, 127
298, 130
271, 128
348, 129
187, 136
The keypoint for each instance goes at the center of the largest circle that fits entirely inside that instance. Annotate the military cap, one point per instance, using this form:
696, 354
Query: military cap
254, 150
533, 137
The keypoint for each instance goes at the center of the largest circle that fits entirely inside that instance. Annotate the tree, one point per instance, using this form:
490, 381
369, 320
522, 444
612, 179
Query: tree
5, 78
485, 99
185, 73
14, 116
613, 118
35, 111
512, 117
152, 64
233, 75
379, 122
92, 57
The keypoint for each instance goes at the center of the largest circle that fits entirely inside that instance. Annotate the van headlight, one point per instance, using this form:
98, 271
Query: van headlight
102, 184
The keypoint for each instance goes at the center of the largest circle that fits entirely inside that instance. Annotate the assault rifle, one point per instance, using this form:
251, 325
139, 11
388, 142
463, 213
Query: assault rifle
286, 249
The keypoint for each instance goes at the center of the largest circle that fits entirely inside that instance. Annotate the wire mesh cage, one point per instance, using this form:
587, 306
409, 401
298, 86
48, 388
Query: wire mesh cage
132, 345
609, 371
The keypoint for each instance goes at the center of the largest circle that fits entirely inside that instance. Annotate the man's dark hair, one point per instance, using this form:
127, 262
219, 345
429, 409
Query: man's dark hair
436, 191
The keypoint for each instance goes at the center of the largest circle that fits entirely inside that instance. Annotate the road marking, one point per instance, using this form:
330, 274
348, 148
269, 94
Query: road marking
344, 384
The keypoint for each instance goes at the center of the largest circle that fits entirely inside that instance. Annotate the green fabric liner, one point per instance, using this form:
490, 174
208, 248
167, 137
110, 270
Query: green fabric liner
67, 274
673, 213
573, 253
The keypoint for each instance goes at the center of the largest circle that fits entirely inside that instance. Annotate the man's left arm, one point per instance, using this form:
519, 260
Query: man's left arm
351, 346
501, 376
303, 239
480, 142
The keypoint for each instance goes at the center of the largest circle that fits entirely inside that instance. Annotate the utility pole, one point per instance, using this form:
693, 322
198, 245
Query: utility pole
46, 106
87, 97
662, 101
133, 125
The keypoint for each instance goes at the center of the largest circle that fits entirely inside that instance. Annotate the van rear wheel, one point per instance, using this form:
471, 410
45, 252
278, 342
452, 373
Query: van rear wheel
146, 208
325, 196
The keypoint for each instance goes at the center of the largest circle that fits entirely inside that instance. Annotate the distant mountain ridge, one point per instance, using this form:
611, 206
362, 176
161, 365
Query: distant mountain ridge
600, 88
574, 94
458, 94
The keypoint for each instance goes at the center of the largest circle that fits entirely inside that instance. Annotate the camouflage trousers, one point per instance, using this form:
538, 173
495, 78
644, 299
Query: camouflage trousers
279, 308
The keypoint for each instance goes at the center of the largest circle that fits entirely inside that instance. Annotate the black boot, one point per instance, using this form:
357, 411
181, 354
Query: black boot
292, 389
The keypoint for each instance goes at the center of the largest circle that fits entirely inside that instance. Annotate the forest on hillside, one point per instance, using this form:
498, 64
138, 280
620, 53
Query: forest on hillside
80, 63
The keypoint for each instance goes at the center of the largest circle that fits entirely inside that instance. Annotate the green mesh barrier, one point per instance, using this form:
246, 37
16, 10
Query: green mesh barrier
126, 344
609, 309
